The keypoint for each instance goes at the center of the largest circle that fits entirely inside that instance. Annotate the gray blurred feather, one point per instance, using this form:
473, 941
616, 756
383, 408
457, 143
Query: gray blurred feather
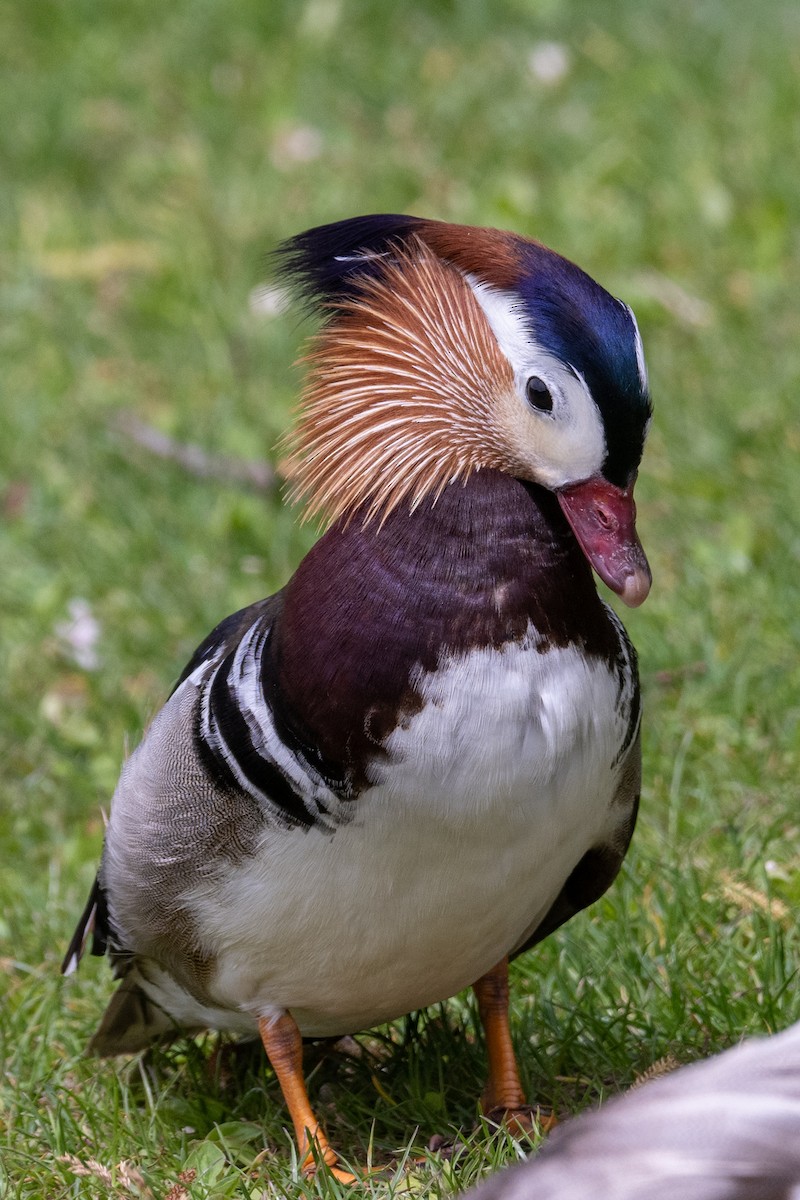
724, 1129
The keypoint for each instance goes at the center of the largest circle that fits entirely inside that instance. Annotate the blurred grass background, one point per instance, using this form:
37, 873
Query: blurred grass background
150, 156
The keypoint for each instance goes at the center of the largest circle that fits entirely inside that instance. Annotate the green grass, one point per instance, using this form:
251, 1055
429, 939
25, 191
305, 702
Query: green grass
151, 155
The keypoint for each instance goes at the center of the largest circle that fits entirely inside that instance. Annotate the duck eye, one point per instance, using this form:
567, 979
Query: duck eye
537, 393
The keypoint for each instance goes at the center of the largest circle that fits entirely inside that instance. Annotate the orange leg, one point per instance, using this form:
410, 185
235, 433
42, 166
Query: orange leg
284, 1046
503, 1097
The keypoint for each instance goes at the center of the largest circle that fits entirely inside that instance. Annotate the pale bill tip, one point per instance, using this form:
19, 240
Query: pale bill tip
636, 588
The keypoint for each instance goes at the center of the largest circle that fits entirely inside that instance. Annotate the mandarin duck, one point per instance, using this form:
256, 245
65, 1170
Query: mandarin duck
420, 757
724, 1129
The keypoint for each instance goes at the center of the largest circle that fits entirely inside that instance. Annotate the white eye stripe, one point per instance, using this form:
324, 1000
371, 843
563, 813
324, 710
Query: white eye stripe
639, 346
568, 442
517, 340
519, 344
514, 335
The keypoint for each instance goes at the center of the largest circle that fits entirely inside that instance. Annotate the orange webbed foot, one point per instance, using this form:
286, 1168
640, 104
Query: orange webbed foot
522, 1119
326, 1160
503, 1100
284, 1046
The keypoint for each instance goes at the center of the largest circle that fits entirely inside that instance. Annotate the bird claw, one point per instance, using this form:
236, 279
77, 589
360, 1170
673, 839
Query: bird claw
343, 1176
523, 1119
447, 1148
327, 1163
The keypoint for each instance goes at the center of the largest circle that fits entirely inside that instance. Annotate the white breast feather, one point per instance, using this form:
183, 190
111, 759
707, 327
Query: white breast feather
490, 795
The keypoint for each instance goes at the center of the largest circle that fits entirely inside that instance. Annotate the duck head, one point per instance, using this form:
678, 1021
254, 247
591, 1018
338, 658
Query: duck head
447, 349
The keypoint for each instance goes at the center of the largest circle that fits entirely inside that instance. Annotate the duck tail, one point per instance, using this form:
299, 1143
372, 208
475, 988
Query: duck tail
131, 1021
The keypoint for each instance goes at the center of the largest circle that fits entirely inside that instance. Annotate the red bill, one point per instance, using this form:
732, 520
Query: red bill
603, 519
